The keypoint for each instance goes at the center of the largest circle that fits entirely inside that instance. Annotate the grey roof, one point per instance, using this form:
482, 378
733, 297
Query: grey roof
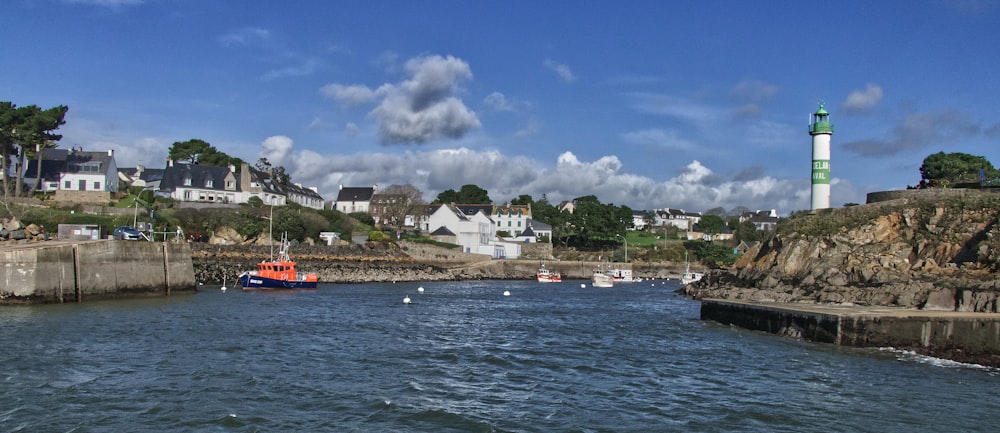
538, 225
295, 189
348, 194
442, 231
174, 176
528, 232
57, 161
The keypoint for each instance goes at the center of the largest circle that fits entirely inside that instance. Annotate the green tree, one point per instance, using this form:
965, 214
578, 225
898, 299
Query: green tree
597, 224
278, 174
219, 159
947, 169
712, 224
189, 151
522, 200
468, 194
746, 231
34, 133
10, 117
711, 253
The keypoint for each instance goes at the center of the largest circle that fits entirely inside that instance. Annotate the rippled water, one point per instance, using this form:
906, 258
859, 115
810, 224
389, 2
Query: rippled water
461, 358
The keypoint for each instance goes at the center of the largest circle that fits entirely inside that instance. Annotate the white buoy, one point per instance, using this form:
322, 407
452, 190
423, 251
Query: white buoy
506, 292
406, 300
223, 283
420, 289
583, 286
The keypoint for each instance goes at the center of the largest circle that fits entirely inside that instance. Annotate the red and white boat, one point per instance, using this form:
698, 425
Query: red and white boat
547, 276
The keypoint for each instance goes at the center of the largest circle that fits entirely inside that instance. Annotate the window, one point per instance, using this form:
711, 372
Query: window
208, 183
187, 181
67, 184
97, 186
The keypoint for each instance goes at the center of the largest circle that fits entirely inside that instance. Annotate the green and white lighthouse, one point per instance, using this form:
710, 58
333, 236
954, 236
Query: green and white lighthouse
820, 129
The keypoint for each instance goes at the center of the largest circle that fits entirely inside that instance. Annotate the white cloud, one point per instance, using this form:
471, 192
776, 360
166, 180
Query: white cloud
694, 188
656, 137
355, 94
530, 129
861, 100
276, 149
421, 109
753, 91
498, 102
301, 69
245, 36
560, 69
106, 3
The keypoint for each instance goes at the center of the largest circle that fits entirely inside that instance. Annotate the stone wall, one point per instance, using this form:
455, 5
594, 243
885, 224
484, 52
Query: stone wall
89, 197
54, 272
960, 336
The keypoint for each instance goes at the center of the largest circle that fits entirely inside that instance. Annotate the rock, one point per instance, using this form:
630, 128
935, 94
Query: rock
941, 300
901, 257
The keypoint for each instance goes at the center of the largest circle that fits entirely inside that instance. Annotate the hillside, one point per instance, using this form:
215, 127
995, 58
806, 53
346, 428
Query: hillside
939, 252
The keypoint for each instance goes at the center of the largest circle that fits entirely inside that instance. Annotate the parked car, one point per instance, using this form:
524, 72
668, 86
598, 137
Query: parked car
127, 233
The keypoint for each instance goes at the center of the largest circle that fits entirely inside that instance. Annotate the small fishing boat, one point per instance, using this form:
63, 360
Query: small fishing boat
689, 277
278, 273
547, 276
601, 279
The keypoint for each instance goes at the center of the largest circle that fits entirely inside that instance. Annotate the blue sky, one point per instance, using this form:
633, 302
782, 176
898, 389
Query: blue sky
692, 105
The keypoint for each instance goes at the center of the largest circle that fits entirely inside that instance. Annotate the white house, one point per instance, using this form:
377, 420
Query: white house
354, 199
470, 228
307, 197
763, 220
675, 217
513, 219
74, 170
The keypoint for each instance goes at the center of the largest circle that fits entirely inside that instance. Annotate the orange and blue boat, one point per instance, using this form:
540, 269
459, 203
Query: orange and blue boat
279, 273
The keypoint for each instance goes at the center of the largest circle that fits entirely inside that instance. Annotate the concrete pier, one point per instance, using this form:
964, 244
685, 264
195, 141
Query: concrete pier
75, 271
961, 336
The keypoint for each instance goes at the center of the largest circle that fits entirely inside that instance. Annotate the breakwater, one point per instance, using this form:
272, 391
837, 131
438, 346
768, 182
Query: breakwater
403, 261
959, 336
65, 271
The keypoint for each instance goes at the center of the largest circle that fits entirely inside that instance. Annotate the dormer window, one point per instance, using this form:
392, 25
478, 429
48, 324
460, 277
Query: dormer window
187, 181
208, 183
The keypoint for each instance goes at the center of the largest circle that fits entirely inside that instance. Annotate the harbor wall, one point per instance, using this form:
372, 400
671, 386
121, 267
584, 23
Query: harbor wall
55, 272
960, 336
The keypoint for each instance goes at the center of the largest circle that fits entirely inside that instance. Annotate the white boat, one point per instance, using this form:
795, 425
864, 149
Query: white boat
547, 276
602, 279
689, 277
622, 275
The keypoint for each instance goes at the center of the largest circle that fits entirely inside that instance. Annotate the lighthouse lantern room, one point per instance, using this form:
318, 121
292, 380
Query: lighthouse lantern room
821, 130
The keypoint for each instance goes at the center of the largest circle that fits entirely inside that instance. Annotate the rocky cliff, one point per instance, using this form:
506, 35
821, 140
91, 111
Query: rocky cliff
936, 253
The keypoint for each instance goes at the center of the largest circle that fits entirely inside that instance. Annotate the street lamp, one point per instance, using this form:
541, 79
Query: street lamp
626, 246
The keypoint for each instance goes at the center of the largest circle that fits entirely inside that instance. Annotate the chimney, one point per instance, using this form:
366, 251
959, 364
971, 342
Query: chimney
111, 152
341, 187
232, 168
170, 162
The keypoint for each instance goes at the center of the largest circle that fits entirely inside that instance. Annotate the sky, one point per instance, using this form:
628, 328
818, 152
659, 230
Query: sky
647, 104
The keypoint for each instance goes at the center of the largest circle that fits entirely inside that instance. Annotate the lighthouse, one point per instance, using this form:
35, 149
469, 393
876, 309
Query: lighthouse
820, 129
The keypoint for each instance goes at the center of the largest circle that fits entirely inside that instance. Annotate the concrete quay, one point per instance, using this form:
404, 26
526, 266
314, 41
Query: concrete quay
75, 271
960, 336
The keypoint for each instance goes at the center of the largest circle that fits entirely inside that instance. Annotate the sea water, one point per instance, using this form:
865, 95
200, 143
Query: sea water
462, 357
